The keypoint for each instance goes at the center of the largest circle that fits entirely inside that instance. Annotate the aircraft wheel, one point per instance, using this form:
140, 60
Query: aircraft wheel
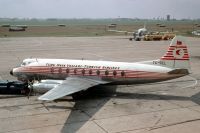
137, 39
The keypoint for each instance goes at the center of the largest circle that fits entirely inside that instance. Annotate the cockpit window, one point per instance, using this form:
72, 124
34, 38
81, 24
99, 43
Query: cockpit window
27, 62
23, 64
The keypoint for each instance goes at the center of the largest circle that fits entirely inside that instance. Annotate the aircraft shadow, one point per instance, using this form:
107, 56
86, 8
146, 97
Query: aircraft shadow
97, 97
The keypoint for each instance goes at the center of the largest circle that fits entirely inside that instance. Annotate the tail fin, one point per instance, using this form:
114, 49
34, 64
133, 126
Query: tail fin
177, 55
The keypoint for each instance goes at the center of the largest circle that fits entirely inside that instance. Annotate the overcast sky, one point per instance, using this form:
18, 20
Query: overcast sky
100, 8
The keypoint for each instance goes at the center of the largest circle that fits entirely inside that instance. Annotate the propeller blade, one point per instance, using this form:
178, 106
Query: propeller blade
30, 87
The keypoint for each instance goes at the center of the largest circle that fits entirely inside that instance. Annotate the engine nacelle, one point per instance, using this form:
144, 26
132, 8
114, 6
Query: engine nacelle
45, 85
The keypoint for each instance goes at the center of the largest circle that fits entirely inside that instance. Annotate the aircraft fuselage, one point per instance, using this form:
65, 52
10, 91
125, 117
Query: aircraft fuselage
114, 72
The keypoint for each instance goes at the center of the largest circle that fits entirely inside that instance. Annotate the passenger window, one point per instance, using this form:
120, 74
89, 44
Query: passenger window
75, 71
122, 73
83, 71
106, 72
60, 70
90, 71
52, 70
67, 70
114, 73
98, 72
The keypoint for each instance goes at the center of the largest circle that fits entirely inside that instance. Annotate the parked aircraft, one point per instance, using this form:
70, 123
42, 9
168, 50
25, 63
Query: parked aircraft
61, 77
138, 35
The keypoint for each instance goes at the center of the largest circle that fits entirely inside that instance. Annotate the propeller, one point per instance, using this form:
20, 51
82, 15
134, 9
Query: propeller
30, 87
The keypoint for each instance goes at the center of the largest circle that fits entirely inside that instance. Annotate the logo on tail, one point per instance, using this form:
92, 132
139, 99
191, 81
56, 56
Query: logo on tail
177, 51
177, 54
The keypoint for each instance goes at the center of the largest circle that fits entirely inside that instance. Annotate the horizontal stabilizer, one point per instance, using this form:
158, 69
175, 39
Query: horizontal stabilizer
179, 71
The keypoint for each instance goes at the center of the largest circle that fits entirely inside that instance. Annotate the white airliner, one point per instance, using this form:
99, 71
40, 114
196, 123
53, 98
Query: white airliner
61, 77
138, 35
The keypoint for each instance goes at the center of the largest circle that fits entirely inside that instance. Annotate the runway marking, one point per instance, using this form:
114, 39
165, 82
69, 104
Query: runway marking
193, 85
173, 124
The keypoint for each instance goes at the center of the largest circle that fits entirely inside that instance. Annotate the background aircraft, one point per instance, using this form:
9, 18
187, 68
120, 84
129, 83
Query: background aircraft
138, 35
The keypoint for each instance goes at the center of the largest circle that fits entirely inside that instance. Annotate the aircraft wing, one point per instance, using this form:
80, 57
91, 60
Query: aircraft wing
70, 86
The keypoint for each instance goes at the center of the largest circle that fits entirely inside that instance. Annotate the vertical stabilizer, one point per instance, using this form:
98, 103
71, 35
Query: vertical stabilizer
177, 55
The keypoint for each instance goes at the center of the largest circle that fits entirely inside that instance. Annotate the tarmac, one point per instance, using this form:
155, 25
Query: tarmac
164, 107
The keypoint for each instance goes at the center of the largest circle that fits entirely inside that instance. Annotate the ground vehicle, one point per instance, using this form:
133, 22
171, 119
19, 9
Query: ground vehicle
152, 37
13, 87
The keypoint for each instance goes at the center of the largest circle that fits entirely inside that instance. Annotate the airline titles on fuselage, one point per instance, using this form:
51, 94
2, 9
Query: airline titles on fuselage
83, 66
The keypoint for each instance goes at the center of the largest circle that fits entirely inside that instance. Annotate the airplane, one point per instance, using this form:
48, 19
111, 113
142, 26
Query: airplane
137, 36
61, 77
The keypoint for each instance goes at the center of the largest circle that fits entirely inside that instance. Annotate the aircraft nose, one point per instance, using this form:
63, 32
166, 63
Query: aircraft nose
11, 72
